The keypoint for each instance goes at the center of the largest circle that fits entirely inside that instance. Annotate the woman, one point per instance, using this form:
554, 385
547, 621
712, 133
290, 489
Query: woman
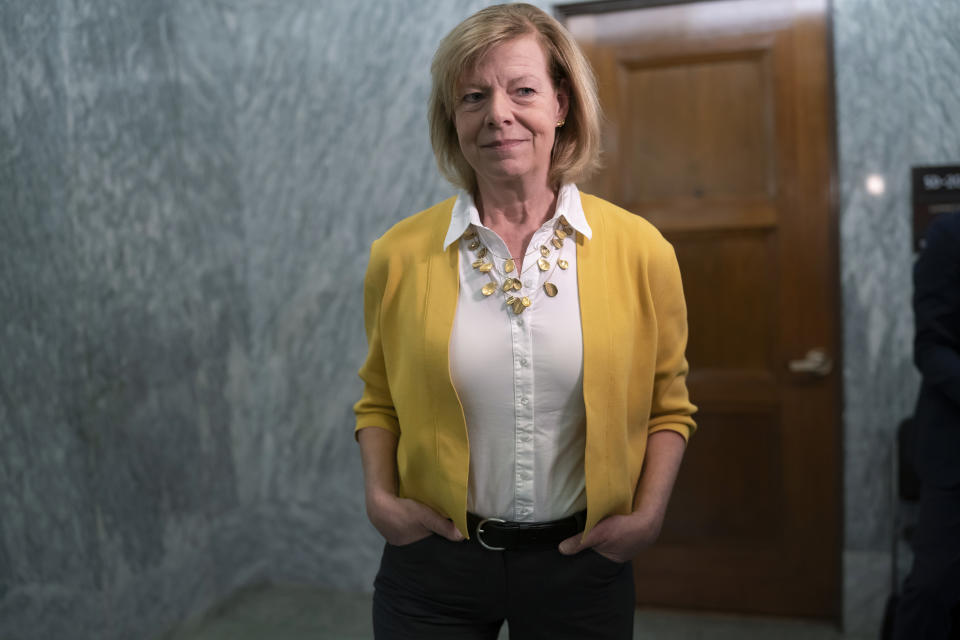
526, 360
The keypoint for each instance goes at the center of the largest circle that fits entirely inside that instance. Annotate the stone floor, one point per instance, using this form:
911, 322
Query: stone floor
297, 613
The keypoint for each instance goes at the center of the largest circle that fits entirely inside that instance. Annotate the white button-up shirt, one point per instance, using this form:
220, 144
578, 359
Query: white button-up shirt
520, 377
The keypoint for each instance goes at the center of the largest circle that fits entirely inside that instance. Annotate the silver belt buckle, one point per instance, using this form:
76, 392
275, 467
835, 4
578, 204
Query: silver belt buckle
480, 534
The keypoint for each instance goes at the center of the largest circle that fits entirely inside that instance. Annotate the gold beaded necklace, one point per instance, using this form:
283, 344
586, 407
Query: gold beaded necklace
511, 284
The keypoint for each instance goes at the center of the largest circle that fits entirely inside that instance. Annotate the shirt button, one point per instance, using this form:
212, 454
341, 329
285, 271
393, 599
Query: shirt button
524, 401
523, 362
528, 284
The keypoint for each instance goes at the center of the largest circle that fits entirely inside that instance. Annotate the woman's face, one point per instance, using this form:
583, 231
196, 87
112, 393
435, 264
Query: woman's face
507, 111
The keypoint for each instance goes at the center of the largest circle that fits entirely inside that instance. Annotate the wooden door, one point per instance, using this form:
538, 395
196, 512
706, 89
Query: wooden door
720, 132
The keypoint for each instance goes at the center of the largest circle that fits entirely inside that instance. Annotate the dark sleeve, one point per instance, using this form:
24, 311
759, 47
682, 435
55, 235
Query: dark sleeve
936, 307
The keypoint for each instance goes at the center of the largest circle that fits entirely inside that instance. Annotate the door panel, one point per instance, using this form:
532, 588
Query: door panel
705, 128
719, 131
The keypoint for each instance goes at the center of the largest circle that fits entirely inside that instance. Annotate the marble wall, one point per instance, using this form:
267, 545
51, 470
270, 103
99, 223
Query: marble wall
121, 299
188, 189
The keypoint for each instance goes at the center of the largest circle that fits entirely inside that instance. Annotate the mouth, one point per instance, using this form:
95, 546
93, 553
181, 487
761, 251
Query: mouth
499, 145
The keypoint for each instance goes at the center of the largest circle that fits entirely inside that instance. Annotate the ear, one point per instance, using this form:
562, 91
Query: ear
563, 99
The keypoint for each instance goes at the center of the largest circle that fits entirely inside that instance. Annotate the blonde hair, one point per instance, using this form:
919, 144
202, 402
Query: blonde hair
576, 149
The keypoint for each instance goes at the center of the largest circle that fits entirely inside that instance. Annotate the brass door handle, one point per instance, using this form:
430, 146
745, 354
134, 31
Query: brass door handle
816, 362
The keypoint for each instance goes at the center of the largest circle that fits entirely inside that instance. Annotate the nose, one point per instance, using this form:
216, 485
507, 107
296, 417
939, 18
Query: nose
498, 110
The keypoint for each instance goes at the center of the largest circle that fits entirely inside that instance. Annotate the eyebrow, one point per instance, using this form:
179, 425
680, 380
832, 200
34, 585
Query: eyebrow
521, 78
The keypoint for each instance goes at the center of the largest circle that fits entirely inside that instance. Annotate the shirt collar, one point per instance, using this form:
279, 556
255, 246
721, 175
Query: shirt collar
570, 207
465, 213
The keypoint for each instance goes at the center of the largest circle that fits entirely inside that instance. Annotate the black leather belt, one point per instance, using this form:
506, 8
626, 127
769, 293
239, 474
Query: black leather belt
498, 535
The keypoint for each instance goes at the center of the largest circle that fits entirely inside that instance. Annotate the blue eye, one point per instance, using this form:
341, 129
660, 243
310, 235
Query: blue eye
526, 91
473, 97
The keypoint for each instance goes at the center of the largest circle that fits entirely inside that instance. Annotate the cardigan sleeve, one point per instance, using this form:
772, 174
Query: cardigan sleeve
671, 408
375, 407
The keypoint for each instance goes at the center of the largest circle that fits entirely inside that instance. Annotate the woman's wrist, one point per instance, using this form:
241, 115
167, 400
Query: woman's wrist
378, 499
648, 520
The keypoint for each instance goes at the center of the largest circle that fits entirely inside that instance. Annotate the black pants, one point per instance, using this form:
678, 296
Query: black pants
435, 588
931, 592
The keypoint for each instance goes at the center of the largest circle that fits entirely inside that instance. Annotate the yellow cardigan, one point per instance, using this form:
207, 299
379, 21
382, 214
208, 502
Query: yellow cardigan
634, 369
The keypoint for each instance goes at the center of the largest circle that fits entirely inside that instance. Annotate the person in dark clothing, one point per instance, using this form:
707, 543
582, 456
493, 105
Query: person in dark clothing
932, 590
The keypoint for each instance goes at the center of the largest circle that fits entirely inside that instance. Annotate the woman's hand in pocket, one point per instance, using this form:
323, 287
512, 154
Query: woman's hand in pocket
617, 538
402, 521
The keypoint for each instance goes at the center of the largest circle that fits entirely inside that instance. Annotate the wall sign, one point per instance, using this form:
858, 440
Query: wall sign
936, 190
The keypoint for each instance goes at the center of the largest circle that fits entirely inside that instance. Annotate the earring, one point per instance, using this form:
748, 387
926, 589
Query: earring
560, 123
